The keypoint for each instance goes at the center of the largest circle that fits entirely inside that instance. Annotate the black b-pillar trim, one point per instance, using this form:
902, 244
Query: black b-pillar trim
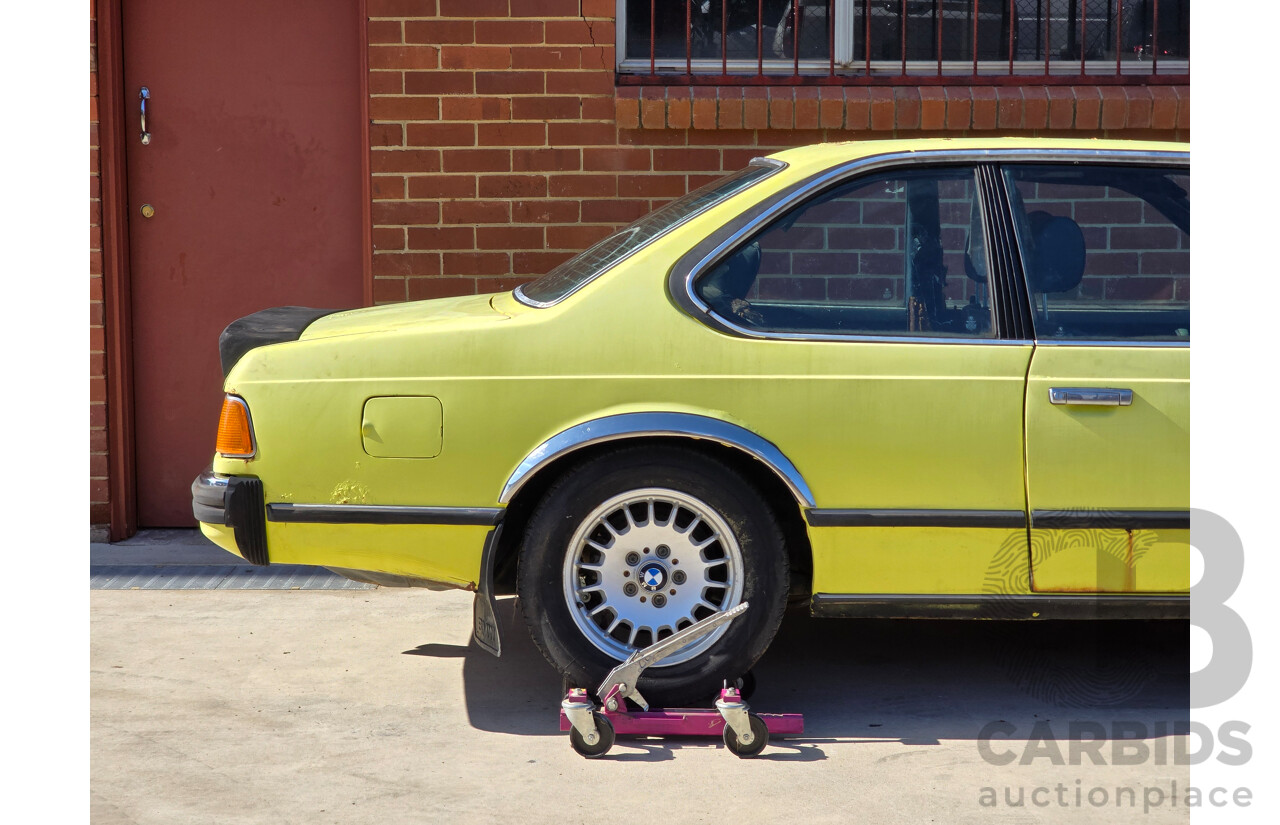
1013, 303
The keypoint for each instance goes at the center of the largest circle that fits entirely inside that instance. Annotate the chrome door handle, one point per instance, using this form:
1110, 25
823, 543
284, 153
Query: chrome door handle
1090, 396
144, 94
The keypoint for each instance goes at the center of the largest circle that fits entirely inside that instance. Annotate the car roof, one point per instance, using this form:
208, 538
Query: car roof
826, 154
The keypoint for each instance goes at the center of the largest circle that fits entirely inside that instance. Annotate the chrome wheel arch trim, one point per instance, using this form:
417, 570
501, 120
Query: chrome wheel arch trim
683, 276
626, 426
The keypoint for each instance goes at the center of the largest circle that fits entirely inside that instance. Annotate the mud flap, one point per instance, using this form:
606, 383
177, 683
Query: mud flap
485, 618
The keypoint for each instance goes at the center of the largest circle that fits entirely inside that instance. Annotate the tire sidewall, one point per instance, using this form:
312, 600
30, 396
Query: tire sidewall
723, 490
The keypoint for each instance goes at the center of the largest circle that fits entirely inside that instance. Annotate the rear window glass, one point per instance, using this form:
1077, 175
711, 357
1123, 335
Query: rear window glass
574, 273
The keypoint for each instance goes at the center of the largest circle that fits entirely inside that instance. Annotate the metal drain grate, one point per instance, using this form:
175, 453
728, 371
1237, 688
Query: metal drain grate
218, 577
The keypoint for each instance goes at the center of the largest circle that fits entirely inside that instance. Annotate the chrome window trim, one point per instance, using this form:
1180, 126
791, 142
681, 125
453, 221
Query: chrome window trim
777, 165
789, 198
662, 424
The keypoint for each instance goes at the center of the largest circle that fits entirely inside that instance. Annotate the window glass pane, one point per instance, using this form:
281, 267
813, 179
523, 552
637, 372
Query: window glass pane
1063, 28
899, 254
922, 29
584, 266
1106, 249
741, 24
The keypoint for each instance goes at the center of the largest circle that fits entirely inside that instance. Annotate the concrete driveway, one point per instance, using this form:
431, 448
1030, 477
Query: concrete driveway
309, 706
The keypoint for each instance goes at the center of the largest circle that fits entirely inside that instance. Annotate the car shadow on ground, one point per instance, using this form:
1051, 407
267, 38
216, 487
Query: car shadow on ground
914, 682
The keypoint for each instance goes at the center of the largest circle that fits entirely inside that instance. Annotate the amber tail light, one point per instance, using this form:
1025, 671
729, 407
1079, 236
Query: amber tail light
235, 433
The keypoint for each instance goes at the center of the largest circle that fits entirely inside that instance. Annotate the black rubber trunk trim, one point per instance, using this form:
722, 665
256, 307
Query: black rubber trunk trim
269, 326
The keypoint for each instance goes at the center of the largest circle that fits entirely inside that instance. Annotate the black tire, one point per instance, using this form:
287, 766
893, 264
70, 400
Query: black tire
759, 734
607, 736
572, 498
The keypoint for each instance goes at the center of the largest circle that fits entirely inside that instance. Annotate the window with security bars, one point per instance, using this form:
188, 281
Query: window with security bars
861, 40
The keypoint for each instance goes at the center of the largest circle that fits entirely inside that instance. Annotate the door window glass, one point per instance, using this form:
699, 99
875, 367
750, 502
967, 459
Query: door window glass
899, 253
1106, 250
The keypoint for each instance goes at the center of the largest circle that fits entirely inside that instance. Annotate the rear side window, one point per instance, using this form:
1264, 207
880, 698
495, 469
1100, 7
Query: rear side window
574, 273
898, 253
1106, 250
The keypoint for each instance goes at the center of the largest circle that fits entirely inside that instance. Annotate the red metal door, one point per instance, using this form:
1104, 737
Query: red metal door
252, 180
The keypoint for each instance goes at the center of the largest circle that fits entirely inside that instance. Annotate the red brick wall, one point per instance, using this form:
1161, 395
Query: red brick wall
501, 145
97, 369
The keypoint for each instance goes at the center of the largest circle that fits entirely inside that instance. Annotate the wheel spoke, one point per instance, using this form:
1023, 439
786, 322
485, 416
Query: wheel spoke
600, 608
699, 545
631, 640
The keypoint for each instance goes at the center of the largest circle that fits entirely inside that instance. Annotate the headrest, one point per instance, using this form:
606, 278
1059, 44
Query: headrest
1057, 252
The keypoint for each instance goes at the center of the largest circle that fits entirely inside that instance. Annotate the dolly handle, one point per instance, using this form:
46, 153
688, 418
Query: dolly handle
624, 676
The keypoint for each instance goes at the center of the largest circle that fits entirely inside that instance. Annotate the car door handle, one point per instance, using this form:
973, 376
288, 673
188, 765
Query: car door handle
1090, 396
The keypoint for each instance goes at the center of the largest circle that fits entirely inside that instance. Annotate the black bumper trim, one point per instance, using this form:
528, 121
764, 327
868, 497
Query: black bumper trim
235, 502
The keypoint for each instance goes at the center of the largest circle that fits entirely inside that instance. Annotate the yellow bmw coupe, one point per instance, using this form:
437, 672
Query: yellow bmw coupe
891, 378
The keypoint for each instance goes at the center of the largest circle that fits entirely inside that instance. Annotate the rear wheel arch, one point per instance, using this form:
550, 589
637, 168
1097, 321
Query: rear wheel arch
777, 493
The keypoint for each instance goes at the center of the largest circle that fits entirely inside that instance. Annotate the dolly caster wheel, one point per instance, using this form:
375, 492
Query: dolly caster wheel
759, 738
604, 741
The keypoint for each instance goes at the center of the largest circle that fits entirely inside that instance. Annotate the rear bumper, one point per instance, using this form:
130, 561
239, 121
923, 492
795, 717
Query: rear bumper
236, 502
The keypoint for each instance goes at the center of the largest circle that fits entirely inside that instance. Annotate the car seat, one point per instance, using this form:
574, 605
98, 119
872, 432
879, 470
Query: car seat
1056, 259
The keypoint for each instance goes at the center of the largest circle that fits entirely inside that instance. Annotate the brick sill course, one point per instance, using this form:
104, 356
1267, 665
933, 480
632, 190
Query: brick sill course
924, 108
